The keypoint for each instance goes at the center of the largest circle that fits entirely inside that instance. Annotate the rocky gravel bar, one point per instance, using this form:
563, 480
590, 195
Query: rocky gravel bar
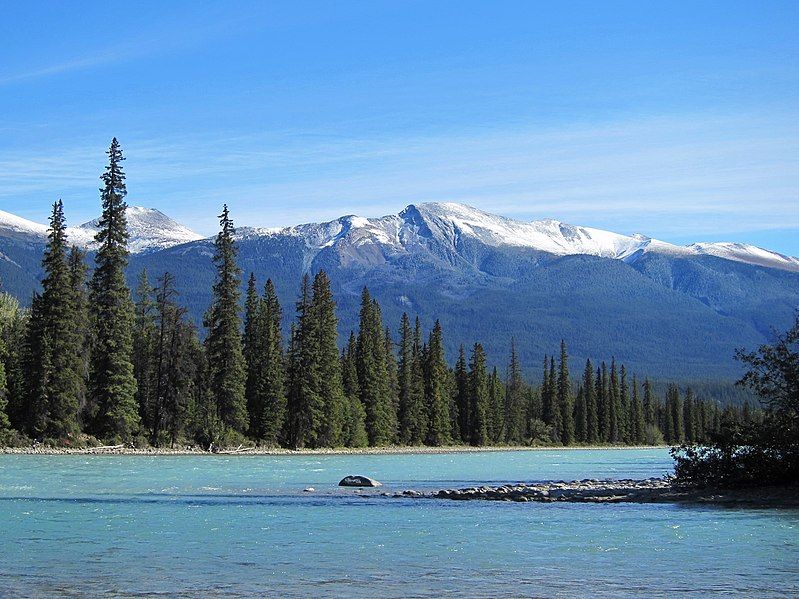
650, 490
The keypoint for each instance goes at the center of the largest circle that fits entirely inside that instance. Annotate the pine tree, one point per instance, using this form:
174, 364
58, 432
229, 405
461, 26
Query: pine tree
412, 425
603, 404
252, 347
462, 398
81, 323
496, 394
591, 409
328, 365
565, 401
305, 406
624, 407
514, 398
689, 416
638, 422
112, 382
614, 401
227, 367
479, 397
271, 368
580, 417
354, 430
555, 413
650, 405
54, 371
144, 338
436, 393
175, 365
373, 375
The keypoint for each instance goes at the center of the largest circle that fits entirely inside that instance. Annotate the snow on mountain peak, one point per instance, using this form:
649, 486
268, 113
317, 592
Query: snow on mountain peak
149, 230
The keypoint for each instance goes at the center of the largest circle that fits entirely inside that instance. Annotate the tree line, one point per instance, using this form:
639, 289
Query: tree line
92, 359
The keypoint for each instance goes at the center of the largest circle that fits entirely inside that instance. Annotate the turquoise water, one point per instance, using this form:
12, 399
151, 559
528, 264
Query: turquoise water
241, 526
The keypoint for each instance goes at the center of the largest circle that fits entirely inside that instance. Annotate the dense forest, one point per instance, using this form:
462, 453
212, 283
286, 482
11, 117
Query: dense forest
93, 361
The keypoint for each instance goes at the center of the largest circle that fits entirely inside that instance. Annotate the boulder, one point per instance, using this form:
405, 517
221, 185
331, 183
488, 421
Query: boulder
359, 481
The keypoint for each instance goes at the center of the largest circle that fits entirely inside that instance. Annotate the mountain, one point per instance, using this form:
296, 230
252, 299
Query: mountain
149, 230
664, 310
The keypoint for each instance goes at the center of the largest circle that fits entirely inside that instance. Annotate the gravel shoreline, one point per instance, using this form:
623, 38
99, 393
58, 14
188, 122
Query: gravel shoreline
650, 490
265, 451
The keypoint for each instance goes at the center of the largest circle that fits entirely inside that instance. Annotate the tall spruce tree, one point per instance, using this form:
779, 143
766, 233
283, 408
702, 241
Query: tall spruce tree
373, 375
614, 402
354, 430
327, 364
271, 368
479, 397
305, 406
462, 397
252, 347
580, 417
624, 406
565, 400
78, 271
496, 394
591, 407
638, 423
144, 340
436, 393
411, 385
514, 398
54, 367
227, 367
112, 382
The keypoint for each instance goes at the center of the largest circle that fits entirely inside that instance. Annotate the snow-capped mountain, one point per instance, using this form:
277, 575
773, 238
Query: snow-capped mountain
451, 224
149, 230
660, 308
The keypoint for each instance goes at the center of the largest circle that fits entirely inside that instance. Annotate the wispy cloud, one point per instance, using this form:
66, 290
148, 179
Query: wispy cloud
696, 175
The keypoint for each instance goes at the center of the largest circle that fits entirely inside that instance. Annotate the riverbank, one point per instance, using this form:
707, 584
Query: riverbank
267, 451
651, 490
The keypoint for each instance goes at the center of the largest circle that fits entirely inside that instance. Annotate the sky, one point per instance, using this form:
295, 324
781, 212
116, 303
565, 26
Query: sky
678, 120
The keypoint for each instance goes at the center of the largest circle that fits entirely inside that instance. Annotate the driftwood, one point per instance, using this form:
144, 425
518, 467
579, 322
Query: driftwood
239, 449
108, 447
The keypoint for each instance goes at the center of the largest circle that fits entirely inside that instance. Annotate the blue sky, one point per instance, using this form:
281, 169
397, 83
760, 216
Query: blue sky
677, 120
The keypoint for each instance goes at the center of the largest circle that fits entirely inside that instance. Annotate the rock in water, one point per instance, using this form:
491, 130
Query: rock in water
359, 481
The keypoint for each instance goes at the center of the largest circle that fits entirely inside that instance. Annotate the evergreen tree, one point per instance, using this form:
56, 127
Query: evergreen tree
496, 393
305, 405
227, 367
624, 407
354, 430
565, 401
435, 389
591, 408
650, 405
271, 368
479, 397
580, 417
144, 339
514, 398
603, 403
373, 375
638, 423
175, 365
81, 323
54, 370
614, 401
327, 364
252, 347
463, 398
689, 416
112, 382
412, 421
555, 412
